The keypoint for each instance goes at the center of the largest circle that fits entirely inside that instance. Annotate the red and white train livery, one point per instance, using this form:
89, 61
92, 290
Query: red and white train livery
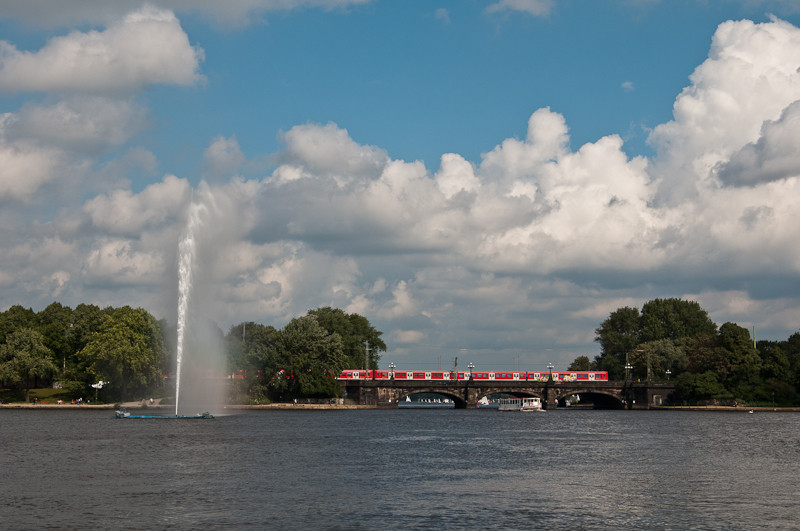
561, 376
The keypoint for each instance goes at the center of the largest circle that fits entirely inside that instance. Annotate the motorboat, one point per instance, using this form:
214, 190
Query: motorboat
123, 413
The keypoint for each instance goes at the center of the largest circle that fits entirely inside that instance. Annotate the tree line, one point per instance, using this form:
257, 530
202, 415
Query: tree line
707, 362
134, 351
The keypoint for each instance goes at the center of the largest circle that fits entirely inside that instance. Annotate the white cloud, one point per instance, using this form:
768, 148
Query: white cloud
442, 14
86, 124
537, 8
123, 213
223, 156
408, 336
627, 86
24, 167
118, 262
330, 152
773, 157
147, 47
455, 174
750, 76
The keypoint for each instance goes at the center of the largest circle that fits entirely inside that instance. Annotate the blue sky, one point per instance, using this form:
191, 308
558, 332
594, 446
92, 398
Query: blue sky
398, 159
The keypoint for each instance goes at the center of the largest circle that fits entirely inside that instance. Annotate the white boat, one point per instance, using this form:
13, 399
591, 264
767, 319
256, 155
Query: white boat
520, 404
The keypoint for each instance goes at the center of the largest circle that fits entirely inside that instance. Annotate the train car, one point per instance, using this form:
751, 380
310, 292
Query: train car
581, 376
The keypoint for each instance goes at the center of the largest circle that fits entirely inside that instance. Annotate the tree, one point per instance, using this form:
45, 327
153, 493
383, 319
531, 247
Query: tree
304, 360
674, 319
663, 355
704, 355
126, 350
775, 364
700, 386
744, 363
246, 344
581, 363
23, 357
618, 336
14, 319
355, 331
54, 324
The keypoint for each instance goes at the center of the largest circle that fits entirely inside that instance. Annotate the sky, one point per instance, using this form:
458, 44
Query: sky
481, 179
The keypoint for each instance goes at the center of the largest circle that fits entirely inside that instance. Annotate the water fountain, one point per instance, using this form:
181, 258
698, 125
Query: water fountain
186, 256
200, 380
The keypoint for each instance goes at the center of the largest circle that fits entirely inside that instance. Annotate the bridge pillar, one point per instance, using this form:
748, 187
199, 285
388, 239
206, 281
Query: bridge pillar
471, 397
550, 401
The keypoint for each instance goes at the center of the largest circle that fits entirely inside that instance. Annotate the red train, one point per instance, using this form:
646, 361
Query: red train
563, 376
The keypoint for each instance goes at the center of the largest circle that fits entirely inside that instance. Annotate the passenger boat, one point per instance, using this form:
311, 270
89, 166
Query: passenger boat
520, 404
123, 413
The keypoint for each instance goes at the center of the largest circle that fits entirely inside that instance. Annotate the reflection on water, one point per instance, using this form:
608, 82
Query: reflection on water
413, 469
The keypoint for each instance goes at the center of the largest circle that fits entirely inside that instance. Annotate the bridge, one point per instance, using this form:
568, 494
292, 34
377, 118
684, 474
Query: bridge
466, 393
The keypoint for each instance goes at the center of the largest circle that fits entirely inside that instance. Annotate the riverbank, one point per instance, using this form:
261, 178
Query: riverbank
137, 406
740, 409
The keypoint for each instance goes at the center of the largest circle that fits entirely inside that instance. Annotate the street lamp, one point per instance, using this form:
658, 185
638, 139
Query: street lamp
551, 367
391, 369
628, 368
668, 373
471, 367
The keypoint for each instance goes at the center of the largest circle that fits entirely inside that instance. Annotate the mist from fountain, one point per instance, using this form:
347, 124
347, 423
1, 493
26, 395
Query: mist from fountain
200, 368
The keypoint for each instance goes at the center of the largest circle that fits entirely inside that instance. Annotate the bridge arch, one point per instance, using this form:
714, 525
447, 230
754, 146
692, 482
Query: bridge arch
459, 401
519, 393
599, 398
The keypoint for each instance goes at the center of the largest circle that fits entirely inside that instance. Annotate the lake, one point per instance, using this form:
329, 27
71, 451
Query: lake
401, 469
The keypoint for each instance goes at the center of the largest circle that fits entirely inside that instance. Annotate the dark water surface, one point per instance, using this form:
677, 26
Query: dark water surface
406, 469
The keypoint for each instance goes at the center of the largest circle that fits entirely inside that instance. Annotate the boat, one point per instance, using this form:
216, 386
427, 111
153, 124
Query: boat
520, 404
123, 413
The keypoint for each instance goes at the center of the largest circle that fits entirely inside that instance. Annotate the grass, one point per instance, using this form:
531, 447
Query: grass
43, 394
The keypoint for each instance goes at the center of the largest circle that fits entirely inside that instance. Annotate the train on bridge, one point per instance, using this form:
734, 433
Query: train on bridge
561, 376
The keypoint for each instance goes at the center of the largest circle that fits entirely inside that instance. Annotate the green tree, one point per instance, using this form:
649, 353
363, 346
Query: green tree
54, 324
674, 319
246, 344
126, 350
702, 386
24, 356
744, 363
355, 331
581, 363
775, 364
618, 336
14, 319
704, 355
662, 355
304, 360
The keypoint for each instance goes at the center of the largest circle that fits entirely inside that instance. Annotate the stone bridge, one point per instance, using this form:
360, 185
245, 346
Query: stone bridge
466, 393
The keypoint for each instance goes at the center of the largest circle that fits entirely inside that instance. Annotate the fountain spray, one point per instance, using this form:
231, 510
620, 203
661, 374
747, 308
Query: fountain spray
186, 256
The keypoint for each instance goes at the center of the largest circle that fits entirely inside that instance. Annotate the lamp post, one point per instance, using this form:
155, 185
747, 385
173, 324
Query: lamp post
628, 368
391, 369
471, 367
668, 373
551, 367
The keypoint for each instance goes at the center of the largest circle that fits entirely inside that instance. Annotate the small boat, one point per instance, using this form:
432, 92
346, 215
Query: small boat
123, 413
520, 404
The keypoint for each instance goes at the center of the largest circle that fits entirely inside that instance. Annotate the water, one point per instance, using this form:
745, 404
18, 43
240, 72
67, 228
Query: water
186, 253
403, 469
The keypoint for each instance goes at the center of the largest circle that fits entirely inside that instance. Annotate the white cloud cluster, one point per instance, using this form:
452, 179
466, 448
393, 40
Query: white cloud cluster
147, 47
61, 139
